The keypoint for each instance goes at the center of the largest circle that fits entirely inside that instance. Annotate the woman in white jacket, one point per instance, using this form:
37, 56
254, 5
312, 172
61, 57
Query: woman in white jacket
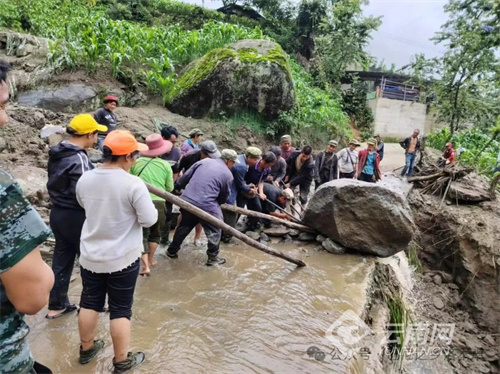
117, 206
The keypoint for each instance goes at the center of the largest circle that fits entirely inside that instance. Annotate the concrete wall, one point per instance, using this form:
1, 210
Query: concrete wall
431, 122
396, 118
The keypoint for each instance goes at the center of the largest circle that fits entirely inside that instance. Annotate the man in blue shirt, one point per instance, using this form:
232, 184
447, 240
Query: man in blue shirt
255, 176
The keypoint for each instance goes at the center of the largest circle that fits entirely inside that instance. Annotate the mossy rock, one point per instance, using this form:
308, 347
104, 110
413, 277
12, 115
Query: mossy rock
247, 75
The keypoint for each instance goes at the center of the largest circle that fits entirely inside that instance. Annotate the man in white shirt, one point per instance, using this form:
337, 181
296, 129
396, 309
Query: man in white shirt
347, 160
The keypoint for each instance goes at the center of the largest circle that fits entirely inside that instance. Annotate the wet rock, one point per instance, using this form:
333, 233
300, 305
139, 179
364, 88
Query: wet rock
95, 155
55, 139
276, 231
3, 144
264, 237
253, 235
49, 130
483, 368
307, 237
489, 339
24, 50
33, 183
437, 279
438, 302
249, 74
472, 344
333, 247
343, 211
491, 355
293, 233
470, 327
464, 363
287, 239
74, 97
39, 119
320, 238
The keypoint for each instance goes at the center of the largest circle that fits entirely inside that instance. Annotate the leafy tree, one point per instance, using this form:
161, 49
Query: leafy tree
354, 105
470, 65
345, 33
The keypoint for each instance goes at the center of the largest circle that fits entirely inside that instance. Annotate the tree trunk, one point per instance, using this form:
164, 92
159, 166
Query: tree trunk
220, 224
280, 221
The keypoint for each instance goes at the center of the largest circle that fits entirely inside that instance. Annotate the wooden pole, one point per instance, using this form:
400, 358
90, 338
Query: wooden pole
425, 177
280, 221
220, 224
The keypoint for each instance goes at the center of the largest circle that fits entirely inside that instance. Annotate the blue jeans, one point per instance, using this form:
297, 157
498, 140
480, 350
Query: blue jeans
100, 141
409, 163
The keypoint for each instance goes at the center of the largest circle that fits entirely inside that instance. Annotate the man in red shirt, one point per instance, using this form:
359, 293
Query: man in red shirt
449, 154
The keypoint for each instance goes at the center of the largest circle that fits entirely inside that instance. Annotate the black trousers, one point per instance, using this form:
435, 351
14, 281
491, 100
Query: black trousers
119, 286
305, 188
38, 368
230, 218
168, 222
66, 224
187, 224
366, 178
252, 203
346, 175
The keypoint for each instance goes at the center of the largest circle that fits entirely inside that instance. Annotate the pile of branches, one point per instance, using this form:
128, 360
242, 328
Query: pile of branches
434, 179
447, 180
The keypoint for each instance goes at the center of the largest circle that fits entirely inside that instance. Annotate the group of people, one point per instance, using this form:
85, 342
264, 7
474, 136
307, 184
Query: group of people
107, 217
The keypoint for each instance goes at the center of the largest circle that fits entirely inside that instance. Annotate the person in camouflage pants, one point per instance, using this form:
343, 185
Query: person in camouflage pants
25, 279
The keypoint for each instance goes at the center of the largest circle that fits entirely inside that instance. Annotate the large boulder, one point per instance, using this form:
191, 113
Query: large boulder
367, 217
251, 75
74, 97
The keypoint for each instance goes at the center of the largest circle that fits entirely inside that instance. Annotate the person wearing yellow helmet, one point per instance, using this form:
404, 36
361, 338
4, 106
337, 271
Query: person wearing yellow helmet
67, 162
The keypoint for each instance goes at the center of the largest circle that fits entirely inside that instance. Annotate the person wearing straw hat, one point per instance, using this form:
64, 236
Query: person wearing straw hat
368, 169
347, 160
195, 137
117, 206
325, 165
106, 116
379, 146
68, 160
157, 172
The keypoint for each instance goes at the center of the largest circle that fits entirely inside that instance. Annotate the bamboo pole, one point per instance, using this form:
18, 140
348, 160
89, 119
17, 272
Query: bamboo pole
220, 224
280, 221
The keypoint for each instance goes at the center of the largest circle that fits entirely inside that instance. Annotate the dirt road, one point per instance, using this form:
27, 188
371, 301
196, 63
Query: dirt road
394, 157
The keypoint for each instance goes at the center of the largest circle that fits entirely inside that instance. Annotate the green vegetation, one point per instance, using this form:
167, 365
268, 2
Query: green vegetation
318, 112
464, 80
147, 43
355, 106
480, 152
203, 67
413, 259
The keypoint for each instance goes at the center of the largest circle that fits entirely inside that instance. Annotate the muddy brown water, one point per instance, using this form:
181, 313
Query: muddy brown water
256, 314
